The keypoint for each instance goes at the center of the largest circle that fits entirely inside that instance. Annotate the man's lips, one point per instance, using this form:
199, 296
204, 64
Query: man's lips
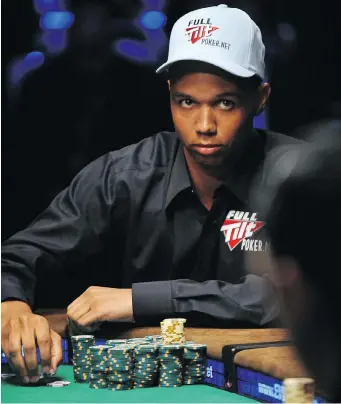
207, 149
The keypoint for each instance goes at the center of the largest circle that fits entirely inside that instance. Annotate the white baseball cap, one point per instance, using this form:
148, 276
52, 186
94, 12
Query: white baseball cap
224, 37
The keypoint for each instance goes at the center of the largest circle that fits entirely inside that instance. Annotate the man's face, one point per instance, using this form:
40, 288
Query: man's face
211, 115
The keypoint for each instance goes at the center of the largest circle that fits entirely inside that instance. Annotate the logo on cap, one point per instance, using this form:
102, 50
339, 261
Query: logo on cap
200, 28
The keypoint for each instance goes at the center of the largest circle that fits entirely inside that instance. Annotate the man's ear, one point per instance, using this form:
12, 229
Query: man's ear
168, 84
264, 92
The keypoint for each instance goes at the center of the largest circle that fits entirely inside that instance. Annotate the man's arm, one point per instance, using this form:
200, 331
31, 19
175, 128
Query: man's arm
70, 229
252, 301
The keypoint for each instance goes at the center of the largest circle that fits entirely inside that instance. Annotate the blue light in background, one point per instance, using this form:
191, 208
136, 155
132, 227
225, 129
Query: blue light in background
153, 20
16, 72
19, 68
146, 51
150, 21
57, 20
33, 60
42, 6
132, 49
54, 41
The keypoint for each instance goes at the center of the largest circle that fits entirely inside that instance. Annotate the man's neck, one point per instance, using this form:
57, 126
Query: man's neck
204, 181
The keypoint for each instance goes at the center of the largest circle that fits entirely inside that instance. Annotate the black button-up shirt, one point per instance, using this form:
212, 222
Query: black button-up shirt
138, 207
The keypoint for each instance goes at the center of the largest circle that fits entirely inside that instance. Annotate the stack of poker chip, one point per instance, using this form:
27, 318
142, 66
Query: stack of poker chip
170, 368
146, 365
138, 341
121, 367
173, 331
99, 367
115, 342
299, 390
194, 363
81, 345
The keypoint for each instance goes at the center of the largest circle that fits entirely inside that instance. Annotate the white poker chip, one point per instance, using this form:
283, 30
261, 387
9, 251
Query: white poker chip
7, 375
60, 383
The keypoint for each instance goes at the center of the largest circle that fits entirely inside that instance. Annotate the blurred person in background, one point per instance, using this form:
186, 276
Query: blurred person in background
174, 205
302, 205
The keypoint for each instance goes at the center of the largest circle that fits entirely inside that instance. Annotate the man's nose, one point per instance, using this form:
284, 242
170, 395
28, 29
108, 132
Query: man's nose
205, 121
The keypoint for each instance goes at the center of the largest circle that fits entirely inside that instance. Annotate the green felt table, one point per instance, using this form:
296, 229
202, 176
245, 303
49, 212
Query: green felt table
81, 393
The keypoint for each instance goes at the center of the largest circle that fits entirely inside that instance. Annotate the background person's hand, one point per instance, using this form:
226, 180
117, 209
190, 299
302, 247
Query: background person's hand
98, 304
20, 328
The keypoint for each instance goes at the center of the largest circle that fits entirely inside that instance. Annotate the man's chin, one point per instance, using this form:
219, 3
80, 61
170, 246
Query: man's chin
213, 160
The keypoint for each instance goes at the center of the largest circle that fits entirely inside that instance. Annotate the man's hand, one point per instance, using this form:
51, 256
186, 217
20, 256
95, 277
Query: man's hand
99, 304
22, 328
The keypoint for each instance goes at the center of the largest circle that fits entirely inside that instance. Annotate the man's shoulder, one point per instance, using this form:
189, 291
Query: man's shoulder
277, 145
150, 153
279, 159
275, 140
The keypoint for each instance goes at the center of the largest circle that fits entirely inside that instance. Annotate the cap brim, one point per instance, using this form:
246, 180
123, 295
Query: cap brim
229, 67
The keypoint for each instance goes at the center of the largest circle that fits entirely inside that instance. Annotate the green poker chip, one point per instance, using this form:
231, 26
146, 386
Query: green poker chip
194, 363
146, 365
81, 357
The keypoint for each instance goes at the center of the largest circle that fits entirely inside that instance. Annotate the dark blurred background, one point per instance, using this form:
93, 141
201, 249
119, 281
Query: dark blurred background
78, 80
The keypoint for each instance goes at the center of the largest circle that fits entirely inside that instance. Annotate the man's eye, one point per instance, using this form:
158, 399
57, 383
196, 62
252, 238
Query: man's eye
226, 104
186, 103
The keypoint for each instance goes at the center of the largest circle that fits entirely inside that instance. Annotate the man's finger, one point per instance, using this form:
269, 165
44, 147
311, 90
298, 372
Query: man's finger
14, 350
78, 311
80, 299
56, 351
42, 332
30, 353
90, 317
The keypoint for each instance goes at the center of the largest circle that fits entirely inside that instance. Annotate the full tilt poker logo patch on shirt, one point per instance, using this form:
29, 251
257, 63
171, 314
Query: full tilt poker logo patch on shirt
199, 29
239, 229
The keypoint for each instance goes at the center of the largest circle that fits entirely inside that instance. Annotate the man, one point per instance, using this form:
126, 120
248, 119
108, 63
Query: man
172, 210
303, 217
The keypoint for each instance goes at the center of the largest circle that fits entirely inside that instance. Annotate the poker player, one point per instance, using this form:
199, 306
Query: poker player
172, 211
302, 209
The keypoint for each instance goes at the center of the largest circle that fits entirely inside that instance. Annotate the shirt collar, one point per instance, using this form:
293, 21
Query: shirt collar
179, 177
238, 182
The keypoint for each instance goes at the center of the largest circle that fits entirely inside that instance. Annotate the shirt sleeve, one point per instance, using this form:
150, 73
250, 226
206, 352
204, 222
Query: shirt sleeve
70, 229
253, 301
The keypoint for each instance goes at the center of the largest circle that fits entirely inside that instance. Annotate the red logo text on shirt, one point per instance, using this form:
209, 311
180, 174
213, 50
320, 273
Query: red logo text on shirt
200, 28
238, 226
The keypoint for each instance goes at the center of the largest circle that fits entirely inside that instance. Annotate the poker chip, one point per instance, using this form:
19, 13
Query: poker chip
299, 390
123, 364
194, 363
81, 345
114, 342
138, 341
155, 338
146, 365
173, 331
171, 365
99, 367
59, 383
121, 367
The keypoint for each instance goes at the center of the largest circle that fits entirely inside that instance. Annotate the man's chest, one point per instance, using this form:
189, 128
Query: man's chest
192, 244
